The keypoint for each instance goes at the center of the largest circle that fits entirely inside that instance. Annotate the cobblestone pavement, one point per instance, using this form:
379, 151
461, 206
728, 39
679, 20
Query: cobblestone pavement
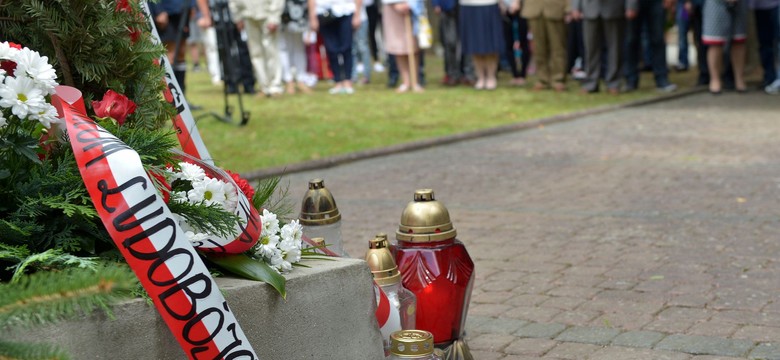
643, 233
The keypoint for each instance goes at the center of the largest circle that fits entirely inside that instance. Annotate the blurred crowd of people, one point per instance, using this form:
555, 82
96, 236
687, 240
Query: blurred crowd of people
286, 46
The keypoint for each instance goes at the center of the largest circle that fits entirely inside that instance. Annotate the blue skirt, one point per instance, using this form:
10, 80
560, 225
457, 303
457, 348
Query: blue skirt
480, 29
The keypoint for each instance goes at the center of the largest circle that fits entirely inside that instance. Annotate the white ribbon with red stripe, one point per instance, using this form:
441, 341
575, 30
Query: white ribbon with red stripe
149, 238
184, 122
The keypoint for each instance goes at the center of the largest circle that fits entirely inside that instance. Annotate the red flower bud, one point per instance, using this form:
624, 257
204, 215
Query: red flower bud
114, 105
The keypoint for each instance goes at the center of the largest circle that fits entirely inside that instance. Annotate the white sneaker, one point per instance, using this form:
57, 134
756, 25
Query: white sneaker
359, 68
773, 88
378, 67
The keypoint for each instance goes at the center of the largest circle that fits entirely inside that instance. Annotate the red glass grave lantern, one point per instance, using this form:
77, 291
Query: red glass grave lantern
437, 269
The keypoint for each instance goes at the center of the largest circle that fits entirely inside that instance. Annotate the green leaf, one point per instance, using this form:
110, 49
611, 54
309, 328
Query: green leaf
243, 265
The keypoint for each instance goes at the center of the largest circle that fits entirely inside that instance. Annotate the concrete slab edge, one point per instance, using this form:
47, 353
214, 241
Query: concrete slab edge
442, 140
640, 339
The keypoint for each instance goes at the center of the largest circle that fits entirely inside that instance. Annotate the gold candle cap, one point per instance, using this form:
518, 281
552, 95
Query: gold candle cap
425, 220
411, 343
318, 206
380, 261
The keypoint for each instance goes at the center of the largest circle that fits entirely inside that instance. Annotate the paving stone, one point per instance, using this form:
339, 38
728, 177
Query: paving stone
562, 302
705, 345
623, 353
576, 317
713, 328
531, 313
766, 351
486, 355
528, 346
490, 310
490, 342
571, 351
527, 299
499, 326
758, 333
638, 339
617, 284
631, 321
710, 357
574, 291
588, 335
538, 330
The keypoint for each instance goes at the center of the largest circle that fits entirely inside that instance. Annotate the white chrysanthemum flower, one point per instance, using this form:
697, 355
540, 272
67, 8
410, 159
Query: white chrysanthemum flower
231, 197
276, 260
22, 96
291, 251
270, 223
36, 67
3, 122
292, 231
191, 172
7, 52
209, 191
267, 246
46, 115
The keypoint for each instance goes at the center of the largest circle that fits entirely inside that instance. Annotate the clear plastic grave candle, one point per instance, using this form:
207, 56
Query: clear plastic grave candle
403, 303
320, 217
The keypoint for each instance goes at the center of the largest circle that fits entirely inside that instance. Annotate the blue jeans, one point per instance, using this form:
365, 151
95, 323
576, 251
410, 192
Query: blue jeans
337, 37
683, 25
361, 53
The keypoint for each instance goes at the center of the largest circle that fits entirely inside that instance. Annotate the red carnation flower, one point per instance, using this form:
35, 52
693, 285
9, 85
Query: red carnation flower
114, 105
247, 189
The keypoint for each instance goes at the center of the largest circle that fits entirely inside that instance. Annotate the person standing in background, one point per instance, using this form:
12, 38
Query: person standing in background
683, 20
447, 11
547, 20
694, 8
374, 20
603, 25
336, 21
260, 20
724, 22
292, 50
169, 17
482, 38
397, 38
766, 15
650, 15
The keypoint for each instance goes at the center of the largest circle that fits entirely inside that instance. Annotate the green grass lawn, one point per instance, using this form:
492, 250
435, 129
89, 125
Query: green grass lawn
297, 128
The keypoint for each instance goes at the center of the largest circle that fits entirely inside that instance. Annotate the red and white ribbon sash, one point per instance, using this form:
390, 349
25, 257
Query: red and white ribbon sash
183, 121
149, 238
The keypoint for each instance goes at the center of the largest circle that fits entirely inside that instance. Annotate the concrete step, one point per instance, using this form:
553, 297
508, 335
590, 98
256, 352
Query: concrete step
328, 314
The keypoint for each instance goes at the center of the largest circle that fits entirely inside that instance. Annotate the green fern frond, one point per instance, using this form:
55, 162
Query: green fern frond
269, 194
48, 296
35, 351
52, 258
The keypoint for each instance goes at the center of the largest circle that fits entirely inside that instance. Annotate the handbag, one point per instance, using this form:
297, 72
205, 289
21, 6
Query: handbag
327, 18
425, 34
